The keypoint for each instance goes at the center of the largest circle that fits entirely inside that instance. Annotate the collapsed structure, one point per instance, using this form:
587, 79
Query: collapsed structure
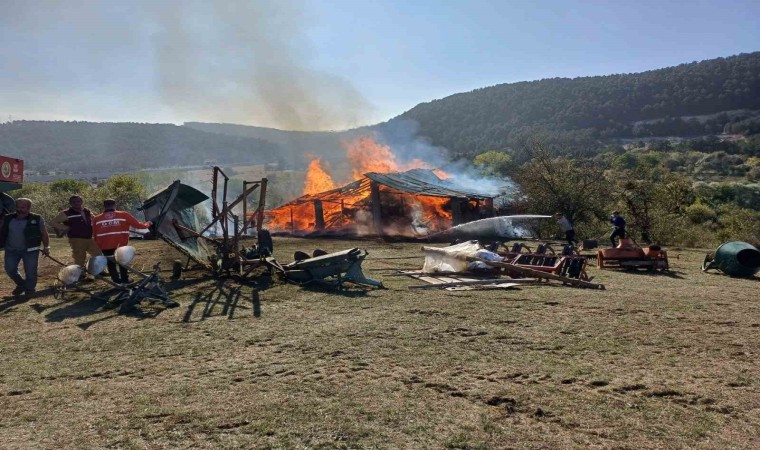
415, 203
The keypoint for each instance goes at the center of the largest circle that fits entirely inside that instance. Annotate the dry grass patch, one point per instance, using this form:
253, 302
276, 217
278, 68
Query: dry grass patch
654, 361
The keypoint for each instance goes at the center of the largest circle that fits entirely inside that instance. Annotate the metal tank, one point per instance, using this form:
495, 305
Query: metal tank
735, 258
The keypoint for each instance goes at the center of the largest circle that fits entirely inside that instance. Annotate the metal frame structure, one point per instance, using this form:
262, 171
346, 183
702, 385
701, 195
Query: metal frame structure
229, 248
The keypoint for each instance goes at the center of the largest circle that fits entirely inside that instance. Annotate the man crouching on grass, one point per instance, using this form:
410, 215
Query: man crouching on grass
23, 235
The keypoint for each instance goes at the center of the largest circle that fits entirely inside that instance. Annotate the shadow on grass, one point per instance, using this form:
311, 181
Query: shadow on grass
731, 277
94, 303
330, 288
655, 273
225, 296
9, 302
83, 302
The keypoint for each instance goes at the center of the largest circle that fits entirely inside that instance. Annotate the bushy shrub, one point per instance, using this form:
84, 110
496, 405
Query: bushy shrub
699, 213
738, 224
49, 199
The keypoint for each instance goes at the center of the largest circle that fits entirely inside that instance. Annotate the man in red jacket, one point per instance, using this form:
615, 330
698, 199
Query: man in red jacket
111, 231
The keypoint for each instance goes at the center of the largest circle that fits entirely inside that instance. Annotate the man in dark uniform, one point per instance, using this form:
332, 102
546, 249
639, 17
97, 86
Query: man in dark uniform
618, 227
23, 235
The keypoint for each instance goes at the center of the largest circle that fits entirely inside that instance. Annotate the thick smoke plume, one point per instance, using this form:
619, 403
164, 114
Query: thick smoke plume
239, 61
248, 62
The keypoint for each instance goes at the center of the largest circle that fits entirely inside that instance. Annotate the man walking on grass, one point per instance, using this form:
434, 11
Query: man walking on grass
23, 235
618, 227
566, 227
111, 230
76, 223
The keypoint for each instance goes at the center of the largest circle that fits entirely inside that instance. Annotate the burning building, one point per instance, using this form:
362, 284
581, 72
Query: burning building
414, 203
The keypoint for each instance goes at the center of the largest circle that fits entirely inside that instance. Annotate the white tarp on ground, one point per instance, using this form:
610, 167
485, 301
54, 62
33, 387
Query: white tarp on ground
452, 258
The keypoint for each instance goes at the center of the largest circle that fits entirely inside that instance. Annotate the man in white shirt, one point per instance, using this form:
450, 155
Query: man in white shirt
566, 227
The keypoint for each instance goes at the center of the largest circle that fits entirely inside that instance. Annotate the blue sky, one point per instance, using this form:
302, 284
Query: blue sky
323, 64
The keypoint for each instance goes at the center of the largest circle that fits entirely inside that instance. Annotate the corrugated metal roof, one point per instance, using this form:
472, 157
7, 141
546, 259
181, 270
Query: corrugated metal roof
424, 182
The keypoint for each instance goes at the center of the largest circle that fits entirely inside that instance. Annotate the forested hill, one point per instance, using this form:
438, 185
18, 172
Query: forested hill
102, 147
302, 144
580, 115
581, 112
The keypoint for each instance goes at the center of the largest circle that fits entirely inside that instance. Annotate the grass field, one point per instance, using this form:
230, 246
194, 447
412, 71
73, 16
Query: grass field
654, 361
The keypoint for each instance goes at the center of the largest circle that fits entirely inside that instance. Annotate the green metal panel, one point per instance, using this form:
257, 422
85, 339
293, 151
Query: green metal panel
735, 258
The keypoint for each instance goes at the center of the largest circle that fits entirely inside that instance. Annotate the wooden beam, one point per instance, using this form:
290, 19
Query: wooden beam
377, 212
319, 216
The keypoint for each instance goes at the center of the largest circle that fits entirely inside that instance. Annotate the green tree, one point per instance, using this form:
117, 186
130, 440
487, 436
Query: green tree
493, 163
551, 184
126, 190
69, 186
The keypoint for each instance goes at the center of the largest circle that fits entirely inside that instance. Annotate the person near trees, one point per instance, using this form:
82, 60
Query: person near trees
111, 230
23, 235
567, 227
618, 227
76, 223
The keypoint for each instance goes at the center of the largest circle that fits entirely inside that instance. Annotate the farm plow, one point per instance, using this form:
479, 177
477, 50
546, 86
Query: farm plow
148, 287
468, 265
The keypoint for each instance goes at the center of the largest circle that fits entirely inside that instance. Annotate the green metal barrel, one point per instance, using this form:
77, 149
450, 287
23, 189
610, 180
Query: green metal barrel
735, 258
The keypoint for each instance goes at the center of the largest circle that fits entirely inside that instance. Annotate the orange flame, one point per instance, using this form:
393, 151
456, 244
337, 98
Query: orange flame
442, 175
317, 179
403, 214
366, 155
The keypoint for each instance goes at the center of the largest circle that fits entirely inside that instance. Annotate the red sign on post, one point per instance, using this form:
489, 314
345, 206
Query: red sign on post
11, 169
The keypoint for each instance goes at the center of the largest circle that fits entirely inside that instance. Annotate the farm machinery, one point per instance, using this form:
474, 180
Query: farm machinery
217, 247
149, 286
545, 259
628, 255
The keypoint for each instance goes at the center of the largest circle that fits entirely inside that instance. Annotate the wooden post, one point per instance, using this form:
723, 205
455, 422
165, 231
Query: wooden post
319, 216
456, 211
376, 207
262, 204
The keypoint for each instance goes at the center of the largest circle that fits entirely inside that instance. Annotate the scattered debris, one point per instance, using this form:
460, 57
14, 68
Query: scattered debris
473, 258
149, 287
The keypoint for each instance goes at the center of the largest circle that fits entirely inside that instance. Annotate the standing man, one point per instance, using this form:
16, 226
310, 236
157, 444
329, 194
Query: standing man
76, 223
618, 227
23, 235
111, 230
566, 227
